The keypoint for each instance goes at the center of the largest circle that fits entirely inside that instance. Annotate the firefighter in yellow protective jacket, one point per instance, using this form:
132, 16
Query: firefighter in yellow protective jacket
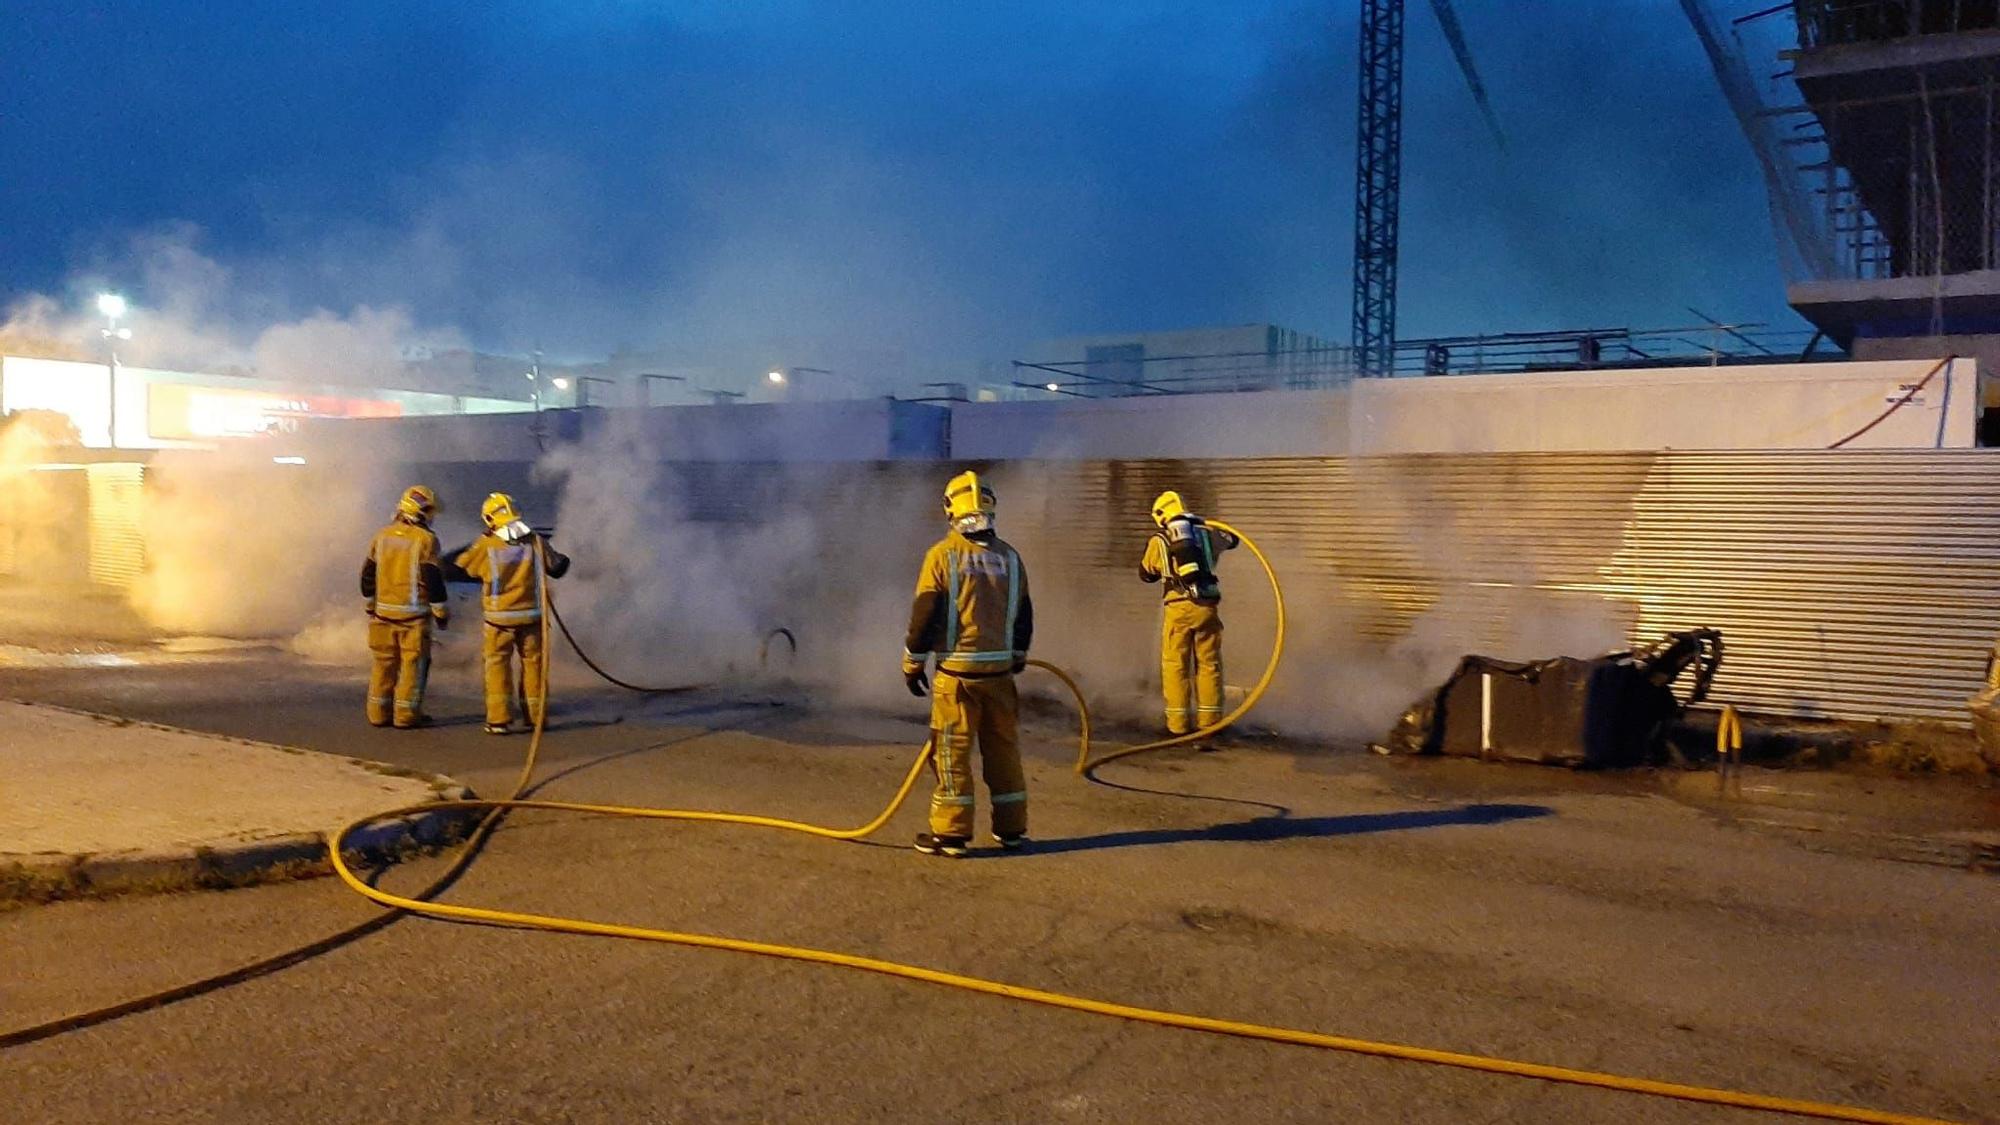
405, 589
508, 562
1182, 554
973, 613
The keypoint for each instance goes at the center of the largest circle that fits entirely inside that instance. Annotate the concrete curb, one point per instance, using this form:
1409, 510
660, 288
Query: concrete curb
48, 877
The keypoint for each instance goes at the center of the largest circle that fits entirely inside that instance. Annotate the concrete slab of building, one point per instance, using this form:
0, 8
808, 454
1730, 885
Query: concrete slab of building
1894, 159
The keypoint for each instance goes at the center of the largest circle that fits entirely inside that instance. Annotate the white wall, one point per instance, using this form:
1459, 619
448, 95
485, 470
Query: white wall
1790, 406
1264, 424
859, 430
1781, 406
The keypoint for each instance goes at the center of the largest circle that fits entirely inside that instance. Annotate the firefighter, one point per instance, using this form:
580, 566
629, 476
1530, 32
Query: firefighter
972, 612
404, 586
508, 563
1182, 554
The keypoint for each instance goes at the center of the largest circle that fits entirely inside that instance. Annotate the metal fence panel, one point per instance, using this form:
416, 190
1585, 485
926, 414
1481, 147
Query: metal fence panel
1856, 585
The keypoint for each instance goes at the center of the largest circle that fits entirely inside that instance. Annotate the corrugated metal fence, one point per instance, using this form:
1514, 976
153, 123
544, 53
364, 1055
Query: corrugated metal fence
117, 539
1854, 584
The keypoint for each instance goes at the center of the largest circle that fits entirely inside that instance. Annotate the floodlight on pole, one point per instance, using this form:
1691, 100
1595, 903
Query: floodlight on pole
112, 306
1052, 387
560, 383
777, 376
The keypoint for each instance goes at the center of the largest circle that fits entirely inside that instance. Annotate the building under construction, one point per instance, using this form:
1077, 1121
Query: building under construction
1874, 121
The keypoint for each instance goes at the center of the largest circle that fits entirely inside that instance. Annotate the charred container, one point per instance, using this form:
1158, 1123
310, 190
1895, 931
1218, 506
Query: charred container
1603, 711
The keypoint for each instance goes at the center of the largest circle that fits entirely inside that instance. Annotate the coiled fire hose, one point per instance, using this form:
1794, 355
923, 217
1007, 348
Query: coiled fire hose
496, 809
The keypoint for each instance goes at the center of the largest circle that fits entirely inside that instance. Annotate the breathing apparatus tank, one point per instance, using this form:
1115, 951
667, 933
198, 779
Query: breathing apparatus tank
1191, 557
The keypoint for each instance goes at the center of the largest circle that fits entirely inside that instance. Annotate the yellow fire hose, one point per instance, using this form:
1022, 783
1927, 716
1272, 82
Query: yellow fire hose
1156, 1016
495, 809
1086, 765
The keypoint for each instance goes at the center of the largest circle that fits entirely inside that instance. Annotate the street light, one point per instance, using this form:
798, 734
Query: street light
112, 306
1052, 386
777, 377
535, 382
561, 383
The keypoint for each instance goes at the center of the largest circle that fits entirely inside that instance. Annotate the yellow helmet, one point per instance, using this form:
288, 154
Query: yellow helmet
968, 498
498, 511
418, 504
1167, 506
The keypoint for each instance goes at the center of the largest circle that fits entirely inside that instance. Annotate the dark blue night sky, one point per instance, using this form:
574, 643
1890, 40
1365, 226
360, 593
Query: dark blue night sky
951, 179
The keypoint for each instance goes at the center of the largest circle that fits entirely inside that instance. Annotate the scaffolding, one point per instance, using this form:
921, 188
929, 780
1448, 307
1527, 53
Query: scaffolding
1879, 138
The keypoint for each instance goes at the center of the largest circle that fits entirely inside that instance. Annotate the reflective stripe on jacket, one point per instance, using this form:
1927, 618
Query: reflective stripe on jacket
972, 609
509, 576
401, 578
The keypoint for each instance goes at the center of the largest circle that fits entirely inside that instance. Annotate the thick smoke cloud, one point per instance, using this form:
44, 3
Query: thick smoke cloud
886, 192
890, 195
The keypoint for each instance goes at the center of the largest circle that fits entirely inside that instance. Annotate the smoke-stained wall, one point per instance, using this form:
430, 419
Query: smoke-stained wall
1852, 584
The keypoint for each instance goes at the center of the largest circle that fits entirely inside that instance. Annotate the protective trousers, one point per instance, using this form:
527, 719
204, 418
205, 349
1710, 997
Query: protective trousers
982, 709
1191, 664
505, 684
401, 652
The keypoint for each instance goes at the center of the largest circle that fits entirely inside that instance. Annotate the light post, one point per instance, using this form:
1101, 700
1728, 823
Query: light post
645, 387
535, 381
112, 306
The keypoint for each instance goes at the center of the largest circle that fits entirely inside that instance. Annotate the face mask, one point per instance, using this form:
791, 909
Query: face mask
513, 532
973, 524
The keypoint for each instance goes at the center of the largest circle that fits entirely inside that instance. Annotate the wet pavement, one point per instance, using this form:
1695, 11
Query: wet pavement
1619, 922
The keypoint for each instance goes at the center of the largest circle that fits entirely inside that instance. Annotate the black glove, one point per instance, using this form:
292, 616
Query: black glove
917, 683
1020, 665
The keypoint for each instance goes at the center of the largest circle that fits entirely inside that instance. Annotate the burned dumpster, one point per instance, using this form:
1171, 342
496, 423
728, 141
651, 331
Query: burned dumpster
1610, 710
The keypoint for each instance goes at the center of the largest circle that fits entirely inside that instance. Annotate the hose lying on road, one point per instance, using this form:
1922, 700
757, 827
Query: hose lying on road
402, 905
607, 677
476, 840
1160, 1017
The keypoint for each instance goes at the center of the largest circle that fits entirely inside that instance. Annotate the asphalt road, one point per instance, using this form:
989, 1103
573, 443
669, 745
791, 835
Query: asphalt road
1513, 911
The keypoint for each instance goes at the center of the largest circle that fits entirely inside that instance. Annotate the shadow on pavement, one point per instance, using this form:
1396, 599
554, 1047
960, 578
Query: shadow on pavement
1291, 828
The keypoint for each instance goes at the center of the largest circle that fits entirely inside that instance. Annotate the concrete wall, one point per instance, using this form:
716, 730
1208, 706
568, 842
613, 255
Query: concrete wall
1266, 424
1782, 406
858, 430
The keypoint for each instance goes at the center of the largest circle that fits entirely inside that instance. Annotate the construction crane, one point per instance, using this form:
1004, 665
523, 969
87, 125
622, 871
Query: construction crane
1378, 171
